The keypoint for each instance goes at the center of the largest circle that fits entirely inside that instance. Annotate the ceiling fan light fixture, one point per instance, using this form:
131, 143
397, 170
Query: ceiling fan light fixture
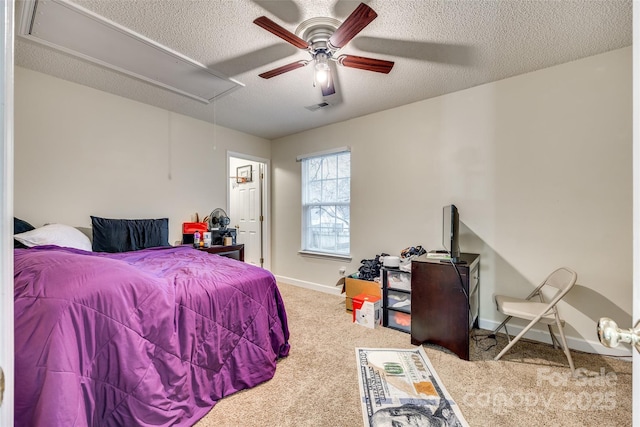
322, 67
322, 77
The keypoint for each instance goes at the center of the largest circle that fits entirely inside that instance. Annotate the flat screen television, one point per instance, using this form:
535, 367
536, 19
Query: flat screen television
450, 233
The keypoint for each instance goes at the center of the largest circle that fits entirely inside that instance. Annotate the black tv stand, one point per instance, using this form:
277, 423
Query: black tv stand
444, 306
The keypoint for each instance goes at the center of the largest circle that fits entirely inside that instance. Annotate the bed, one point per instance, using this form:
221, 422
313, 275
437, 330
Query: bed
148, 337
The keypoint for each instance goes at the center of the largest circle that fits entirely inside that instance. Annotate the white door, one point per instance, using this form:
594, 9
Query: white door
609, 333
245, 200
6, 216
636, 305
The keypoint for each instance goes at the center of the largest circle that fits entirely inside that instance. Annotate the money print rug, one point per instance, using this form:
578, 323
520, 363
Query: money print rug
400, 387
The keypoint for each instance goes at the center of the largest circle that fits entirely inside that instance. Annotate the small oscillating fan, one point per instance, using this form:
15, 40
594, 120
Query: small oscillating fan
218, 220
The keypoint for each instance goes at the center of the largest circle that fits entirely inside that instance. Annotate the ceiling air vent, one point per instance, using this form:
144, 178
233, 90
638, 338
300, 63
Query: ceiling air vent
316, 107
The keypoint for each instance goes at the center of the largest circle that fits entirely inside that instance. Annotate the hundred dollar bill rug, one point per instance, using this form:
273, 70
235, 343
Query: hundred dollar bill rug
399, 387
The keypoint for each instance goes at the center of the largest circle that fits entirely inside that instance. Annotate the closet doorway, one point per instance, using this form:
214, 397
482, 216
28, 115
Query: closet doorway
249, 206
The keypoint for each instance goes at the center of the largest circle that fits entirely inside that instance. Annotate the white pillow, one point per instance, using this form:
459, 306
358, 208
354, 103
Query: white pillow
55, 234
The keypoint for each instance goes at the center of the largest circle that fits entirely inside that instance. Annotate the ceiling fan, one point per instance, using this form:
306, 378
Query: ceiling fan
323, 38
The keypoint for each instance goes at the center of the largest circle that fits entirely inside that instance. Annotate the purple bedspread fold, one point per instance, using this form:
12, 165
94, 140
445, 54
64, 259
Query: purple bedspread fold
153, 337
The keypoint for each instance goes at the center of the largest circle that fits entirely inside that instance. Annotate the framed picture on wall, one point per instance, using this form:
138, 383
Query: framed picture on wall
244, 174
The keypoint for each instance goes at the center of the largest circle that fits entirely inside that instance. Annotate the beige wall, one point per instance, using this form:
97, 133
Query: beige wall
539, 166
81, 152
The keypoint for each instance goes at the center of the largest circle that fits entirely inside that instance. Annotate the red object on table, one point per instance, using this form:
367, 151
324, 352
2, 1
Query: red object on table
192, 227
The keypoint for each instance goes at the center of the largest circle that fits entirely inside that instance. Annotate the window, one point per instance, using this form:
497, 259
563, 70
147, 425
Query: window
326, 196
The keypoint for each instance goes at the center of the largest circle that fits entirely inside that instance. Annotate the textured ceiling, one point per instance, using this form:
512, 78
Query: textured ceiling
438, 47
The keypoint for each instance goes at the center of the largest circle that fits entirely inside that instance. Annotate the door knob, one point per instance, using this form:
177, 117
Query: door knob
610, 335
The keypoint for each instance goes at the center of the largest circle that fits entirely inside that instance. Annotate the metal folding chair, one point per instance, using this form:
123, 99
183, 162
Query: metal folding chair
539, 310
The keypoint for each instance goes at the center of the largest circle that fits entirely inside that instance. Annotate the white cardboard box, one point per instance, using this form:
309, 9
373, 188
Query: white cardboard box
368, 313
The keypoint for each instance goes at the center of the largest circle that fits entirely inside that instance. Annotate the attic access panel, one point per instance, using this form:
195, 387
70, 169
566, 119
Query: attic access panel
77, 31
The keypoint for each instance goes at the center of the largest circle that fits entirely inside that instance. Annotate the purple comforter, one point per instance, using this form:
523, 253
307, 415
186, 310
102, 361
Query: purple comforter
153, 337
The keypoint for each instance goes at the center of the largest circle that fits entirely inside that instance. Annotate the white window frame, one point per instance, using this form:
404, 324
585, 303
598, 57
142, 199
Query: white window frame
306, 206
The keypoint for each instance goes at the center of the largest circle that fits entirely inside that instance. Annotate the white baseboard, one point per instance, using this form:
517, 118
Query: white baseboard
578, 344
333, 290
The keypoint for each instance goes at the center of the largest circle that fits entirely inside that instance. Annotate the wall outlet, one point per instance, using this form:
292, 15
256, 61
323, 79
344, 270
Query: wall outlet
342, 271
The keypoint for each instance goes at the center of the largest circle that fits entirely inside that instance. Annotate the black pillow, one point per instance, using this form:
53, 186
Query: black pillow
20, 226
124, 235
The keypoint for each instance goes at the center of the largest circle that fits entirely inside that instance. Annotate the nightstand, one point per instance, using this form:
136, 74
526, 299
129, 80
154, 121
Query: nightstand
231, 251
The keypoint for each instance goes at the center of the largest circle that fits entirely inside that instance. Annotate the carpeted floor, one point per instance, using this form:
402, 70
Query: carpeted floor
316, 385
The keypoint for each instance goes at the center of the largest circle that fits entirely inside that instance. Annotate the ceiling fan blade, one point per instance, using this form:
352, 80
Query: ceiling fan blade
362, 63
283, 69
359, 18
281, 32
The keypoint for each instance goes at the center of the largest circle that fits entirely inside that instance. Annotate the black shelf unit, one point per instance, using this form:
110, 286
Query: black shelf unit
396, 299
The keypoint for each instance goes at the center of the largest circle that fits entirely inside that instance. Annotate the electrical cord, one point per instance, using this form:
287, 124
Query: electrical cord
455, 267
478, 338
461, 283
